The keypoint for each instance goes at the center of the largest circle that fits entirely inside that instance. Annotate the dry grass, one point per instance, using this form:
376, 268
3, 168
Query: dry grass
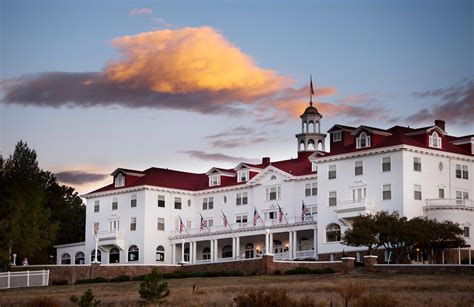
409, 290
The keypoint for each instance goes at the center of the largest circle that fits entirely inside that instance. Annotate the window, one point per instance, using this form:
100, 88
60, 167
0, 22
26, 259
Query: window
133, 253
314, 167
417, 164
80, 258
160, 224
435, 140
95, 229
206, 253
214, 180
96, 206
359, 193
241, 219
160, 253
133, 201
332, 198
66, 259
99, 256
177, 203
332, 172
114, 225
466, 232
272, 215
333, 233
336, 136
311, 189
273, 193
358, 168
386, 164
133, 224
387, 191
241, 199
243, 176
161, 201
227, 251
208, 203
441, 193
119, 180
461, 196
114, 255
462, 171
115, 203
417, 194
363, 140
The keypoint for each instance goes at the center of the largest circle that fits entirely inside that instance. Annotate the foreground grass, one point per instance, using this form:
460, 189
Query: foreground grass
409, 290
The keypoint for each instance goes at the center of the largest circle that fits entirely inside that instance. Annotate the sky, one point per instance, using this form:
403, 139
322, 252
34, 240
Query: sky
188, 85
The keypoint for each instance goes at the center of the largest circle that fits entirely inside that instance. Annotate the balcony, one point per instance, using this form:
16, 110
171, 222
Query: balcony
449, 203
351, 208
111, 238
243, 227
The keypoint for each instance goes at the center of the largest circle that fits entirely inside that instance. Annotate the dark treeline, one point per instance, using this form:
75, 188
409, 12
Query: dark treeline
36, 212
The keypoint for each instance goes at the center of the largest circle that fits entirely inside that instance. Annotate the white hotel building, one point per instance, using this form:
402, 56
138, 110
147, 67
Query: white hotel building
418, 172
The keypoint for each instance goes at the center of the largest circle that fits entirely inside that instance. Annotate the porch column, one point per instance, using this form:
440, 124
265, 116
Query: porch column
182, 251
295, 242
470, 261
267, 241
194, 251
173, 253
233, 248
237, 247
459, 255
216, 249
290, 245
212, 251
315, 243
271, 243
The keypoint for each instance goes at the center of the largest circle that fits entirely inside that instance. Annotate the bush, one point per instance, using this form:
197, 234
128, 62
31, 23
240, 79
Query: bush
350, 290
273, 298
61, 282
152, 289
302, 270
466, 261
277, 272
86, 300
120, 278
90, 281
43, 302
377, 300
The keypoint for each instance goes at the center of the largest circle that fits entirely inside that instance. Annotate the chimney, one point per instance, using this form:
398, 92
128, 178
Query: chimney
266, 160
441, 124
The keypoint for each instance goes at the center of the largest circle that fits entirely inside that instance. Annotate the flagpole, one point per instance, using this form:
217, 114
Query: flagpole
287, 222
311, 89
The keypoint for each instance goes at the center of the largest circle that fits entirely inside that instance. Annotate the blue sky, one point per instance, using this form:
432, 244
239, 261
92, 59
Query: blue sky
377, 62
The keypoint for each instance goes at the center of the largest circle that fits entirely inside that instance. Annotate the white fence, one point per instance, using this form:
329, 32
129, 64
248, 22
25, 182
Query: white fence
23, 279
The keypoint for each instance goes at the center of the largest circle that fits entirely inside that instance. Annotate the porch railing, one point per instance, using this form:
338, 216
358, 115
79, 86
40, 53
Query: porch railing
449, 203
23, 279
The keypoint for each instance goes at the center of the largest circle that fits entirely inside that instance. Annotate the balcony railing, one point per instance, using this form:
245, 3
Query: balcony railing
354, 207
111, 237
240, 227
449, 203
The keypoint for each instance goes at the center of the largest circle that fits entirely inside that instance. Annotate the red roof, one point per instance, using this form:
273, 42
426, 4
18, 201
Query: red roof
173, 179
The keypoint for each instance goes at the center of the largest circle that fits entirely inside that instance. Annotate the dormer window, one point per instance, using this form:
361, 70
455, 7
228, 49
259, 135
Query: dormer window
119, 180
363, 140
243, 176
336, 136
435, 140
214, 180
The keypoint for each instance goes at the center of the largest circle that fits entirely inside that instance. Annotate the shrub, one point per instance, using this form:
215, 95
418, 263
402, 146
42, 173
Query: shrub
377, 300
273, 298
86, 300
152, 289
90, 281
277, 272
120, 278
466, 261
302, 270
350, 290
43, 302
61, 282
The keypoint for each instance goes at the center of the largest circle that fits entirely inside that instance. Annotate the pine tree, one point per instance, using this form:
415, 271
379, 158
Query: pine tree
152, 289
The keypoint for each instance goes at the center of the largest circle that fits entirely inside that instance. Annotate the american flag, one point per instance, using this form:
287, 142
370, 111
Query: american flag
304, 211
181, 225
280, 214
226, 222
256, 216
203, 222
311, 85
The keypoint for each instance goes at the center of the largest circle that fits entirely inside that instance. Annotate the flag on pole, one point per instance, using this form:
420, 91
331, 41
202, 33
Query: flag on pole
181, 225
311, 89
256, 216
304, 210
226, 222
203, 222
280, 214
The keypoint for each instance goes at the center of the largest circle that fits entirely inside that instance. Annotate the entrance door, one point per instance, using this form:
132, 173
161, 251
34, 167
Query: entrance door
249, 252
114, 255
277, 247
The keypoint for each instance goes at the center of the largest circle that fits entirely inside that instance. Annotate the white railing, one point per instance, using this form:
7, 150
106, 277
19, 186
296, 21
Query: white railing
237, 227
449, 202
281, 256
354, 204
109, 234
24, 279
305, 254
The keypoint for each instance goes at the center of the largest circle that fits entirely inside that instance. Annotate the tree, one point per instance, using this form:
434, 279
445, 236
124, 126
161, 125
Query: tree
362, 233
152, 289
86, 300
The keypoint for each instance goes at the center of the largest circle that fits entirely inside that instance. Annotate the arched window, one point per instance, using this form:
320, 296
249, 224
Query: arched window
333, 233
99, 256
66, 259
311, 145
80, 258
114, 255
206, 253
363, 140
302, 146
273, 177
160, 253
435, 140
311, 127
186, 254
227, 251
133, 253
249, 252
320, 146
119, 180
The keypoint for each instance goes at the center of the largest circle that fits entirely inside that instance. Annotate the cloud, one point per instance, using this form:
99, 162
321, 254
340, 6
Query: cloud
79, 177
140, 11
172, 69
456, 106
202, 155
359, 98
238, 142
236, 131
161, 23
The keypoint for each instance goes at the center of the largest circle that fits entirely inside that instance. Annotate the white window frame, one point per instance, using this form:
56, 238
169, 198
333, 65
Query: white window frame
96, 206
389, 163
208, 203
387, 188
160, 222
275, 190
95, 228
332, 171
119, 180
359, 165
311, 189
332, 195
133, 223
243, 175
241, 219
336, 136
417, 189
363, 140
441, 195
178, 200
115, 203
417, 164
461, 197
241, 199
133, 201
161, 198
435, 140
214, 180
